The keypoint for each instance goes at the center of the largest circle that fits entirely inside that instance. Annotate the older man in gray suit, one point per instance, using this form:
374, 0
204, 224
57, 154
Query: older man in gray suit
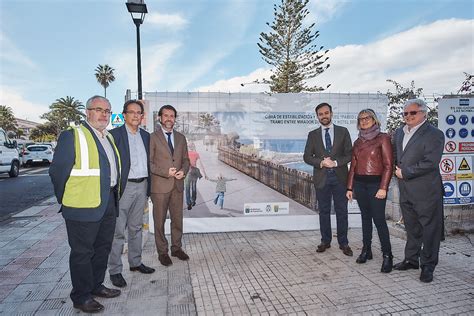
329, 149
133, 143
418, 150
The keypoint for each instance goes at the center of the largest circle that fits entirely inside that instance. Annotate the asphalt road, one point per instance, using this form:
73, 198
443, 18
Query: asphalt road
32, 186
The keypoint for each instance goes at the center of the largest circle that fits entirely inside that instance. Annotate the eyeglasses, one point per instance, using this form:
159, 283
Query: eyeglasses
134, 113
101, 110
365, 118
412, 113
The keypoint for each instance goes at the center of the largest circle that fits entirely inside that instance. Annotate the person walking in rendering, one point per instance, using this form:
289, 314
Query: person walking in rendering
169, 164
194, 174
418, 150
221, 188
133, 143
328, 150
86, 175
369, 176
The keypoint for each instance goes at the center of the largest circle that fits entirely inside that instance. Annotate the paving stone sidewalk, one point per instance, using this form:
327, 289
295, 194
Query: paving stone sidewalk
238, 273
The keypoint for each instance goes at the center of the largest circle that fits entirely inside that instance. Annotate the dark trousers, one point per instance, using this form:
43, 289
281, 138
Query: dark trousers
90, 244
423, 224
332, 190
372, 209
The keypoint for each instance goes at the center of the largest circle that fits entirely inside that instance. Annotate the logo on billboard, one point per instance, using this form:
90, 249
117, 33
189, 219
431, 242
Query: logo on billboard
465, 188
464, 102
464, 165
450, 119
448, 189
447, 165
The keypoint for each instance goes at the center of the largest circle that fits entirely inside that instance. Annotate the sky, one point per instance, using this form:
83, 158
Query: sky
49, 49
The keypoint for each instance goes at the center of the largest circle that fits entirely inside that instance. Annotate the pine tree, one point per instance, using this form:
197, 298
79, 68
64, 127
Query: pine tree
289, 48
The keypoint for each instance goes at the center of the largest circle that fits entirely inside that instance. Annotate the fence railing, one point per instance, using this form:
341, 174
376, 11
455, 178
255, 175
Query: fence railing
295, 184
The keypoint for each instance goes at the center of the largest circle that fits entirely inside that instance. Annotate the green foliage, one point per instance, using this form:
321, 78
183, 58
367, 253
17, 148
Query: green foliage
7, 119
44, 133
64, 112
289, 48
397, 99
105, 76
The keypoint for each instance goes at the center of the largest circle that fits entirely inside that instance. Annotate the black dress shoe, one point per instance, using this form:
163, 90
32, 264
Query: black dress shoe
387, 263
426, 275
89, 306
180, 254
346, 250
405, 265
165, 260
322, 247
143, 269
105, 292
190, 207
118, 280
366, 254
194, 204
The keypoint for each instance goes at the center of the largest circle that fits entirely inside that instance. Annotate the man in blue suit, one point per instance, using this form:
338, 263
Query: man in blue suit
329, 150
86, 173
133, 144
418, 150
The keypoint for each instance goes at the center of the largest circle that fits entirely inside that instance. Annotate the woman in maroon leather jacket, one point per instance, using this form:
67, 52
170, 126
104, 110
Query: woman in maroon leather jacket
368, 180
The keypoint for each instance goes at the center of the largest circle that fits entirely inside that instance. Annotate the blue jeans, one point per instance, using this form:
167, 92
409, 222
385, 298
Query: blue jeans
333, 190
372, 209
190, 187
219, 199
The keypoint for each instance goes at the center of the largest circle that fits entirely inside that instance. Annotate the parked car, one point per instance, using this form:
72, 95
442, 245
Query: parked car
9, 158
37, 153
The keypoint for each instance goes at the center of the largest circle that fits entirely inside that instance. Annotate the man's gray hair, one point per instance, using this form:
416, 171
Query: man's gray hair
421, 104
96, 97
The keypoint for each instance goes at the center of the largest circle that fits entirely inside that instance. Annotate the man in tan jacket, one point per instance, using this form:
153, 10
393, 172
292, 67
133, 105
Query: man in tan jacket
169, 163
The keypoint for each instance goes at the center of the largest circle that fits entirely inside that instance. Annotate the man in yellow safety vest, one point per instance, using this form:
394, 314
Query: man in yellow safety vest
86, 176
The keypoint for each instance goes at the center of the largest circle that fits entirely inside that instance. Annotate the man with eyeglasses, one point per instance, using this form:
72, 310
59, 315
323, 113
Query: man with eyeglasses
418, 150
86, 175
133, 144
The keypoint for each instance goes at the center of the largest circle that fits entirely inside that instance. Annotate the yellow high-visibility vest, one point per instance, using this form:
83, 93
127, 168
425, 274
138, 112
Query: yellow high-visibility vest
83, 186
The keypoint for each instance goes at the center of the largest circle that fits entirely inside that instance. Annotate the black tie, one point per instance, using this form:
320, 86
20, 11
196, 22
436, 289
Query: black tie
170, 144
327, 137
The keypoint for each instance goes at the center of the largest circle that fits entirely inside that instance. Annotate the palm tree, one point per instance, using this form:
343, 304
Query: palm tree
7, 119
65, 111
104, 75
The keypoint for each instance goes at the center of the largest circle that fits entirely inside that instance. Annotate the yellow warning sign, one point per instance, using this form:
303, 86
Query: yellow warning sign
464, 166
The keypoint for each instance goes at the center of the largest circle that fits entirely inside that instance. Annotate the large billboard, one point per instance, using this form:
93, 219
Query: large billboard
252, 144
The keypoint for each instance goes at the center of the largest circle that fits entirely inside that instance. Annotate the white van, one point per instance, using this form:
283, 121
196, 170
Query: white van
9, 158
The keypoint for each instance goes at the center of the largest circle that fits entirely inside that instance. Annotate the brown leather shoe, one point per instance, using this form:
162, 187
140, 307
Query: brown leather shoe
89, 306
322, 247
180, 254
105, 292
346, 250
165, 260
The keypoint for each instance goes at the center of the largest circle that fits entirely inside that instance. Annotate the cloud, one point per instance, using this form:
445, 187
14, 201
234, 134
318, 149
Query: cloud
321, 11
433, 55
22, 108
156, 59
170, 21
9, 53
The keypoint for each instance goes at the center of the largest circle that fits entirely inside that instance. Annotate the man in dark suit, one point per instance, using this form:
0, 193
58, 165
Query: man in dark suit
169, 164
328, 149
418, 150
85, 173
133, 144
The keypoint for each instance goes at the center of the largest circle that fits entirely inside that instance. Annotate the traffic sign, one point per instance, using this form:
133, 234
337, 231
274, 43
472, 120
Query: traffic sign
450, 146
117, 119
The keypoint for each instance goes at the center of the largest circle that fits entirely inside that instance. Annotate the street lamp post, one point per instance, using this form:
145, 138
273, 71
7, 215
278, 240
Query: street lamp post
137, 9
